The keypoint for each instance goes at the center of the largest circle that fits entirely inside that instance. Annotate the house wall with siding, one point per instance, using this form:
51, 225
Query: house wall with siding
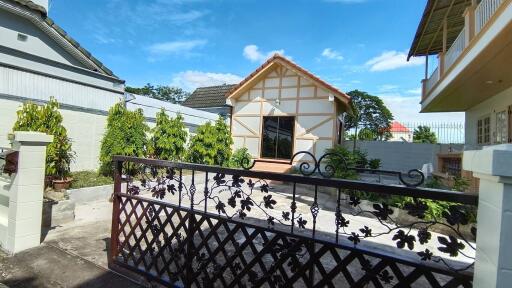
497, 103
315, 115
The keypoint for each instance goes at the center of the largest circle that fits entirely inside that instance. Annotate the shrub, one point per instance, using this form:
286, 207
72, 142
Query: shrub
434, 183
82, 179
203, 145
169, 137
125, 135
47, 119
460, 184
343, 159
238, 156
211, 145
224, 142
374, 164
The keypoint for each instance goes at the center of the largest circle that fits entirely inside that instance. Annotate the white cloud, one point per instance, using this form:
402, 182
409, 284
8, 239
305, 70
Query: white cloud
416, 91
406, 109
390, 60
331, 54
253, 53
175, 47
190, 80
387, 88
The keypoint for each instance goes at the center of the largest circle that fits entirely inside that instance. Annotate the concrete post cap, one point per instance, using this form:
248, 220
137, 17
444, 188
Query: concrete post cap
33, 137
493, 160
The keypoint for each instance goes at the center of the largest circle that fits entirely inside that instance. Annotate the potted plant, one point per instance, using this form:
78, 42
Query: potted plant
61, 163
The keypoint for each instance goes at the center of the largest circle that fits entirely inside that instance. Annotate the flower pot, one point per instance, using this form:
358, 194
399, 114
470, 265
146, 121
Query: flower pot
61, 184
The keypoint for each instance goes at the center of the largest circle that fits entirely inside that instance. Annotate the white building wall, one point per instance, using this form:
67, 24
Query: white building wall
283, 92
86, 127
490, 107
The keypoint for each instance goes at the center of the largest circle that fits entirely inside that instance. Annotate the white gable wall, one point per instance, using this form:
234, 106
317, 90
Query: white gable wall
37, 42
284, 93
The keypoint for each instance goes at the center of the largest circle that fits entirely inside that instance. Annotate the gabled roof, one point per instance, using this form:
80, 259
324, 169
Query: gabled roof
40, 18
205, 97
429, 34
278, 59
398, 127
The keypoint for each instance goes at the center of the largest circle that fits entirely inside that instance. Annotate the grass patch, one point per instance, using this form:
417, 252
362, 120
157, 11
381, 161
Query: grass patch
82, 179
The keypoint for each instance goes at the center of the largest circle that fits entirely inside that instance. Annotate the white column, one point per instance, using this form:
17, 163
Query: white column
493, 165
26, 191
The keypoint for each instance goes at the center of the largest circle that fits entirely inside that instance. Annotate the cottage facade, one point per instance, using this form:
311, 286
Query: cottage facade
281, 109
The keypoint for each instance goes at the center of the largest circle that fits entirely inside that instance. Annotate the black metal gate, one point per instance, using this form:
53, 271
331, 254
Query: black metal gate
194, 225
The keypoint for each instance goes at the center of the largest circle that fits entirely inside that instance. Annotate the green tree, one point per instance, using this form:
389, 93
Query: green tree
203, 145
47, 119
423, 134
211, 144
366, 134
169, 137
369, 112
125, 135
160, 92
224, 141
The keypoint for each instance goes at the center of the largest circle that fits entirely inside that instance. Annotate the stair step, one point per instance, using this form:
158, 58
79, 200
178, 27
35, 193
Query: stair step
272, 167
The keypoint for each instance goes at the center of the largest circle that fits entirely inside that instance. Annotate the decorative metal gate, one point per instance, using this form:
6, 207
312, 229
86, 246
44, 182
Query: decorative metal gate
193, 225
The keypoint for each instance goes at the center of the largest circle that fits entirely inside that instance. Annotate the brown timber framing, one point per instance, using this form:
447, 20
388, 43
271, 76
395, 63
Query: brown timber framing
248, 98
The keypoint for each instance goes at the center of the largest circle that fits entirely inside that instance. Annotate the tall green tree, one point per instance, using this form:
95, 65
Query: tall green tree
211, 144
160, 92
423, 134
169, 137
47, 119
224, 141
203, 145
125, 135
369, 112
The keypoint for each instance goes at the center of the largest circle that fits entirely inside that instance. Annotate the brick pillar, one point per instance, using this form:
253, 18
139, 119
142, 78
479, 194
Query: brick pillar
493, 166
26, 191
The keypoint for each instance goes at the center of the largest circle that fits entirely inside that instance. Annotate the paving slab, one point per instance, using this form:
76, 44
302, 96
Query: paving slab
49, 266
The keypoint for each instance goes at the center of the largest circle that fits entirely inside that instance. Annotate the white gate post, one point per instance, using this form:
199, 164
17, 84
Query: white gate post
493, 166
26, 191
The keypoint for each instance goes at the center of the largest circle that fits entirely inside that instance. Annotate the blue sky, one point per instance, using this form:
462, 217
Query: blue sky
352, 44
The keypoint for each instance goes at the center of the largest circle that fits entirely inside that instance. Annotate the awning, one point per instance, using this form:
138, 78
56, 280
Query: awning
429, 35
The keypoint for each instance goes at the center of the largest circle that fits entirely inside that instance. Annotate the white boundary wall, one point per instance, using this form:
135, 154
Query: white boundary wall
403, 156
86, 125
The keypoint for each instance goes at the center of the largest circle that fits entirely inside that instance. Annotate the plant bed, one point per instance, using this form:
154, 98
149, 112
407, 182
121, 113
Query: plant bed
84, 179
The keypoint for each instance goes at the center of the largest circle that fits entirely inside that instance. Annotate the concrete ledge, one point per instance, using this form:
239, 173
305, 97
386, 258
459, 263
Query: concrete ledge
493, 160
90, 194
35, 137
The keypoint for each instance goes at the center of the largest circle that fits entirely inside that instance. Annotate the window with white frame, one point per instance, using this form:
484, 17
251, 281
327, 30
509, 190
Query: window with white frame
501, 127
484, 130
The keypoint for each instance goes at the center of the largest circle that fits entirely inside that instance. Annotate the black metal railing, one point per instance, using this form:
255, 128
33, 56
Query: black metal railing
208, 226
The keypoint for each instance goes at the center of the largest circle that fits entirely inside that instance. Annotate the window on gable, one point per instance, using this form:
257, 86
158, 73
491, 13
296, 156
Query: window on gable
484, 130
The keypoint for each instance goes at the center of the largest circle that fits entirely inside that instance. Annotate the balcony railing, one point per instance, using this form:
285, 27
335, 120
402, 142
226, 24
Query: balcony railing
484, 12
455, 50
432, 80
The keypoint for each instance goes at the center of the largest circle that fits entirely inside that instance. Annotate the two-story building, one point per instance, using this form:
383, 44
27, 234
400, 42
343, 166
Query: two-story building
473, 72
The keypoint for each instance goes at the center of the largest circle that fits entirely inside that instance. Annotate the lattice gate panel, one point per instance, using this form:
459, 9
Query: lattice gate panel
175, 245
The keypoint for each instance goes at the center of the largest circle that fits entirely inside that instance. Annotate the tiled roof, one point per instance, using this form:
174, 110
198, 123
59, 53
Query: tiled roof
398, 127
32, 6
277, 57
44, 14
212, 96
